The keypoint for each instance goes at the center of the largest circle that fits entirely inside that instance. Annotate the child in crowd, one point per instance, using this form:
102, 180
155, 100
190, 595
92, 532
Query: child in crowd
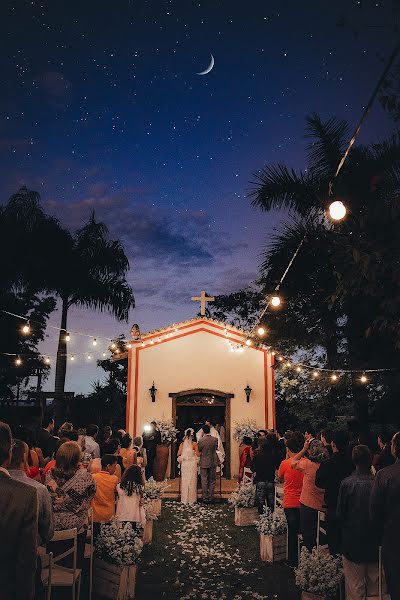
130, 497
103, 503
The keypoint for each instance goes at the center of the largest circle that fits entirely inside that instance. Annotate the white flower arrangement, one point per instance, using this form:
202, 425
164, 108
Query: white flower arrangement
272, 523
153, 490
244, 496
118, 543
167, 431
318, 573
151, 514
244, 429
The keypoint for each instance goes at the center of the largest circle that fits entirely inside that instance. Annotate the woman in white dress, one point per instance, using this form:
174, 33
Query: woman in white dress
188, 457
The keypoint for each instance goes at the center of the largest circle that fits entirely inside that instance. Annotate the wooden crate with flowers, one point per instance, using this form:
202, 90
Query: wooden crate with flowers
319, 575
151, 516
273, 536
153, 491
243, 499
117, 551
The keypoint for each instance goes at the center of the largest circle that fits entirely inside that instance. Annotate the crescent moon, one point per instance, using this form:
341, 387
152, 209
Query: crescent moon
209, 68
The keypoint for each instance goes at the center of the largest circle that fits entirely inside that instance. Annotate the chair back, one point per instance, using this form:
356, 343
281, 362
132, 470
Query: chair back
278, 501
321, 530
67, 534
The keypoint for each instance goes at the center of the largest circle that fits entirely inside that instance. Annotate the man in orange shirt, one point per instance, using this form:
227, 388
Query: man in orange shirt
293, 483
103, 503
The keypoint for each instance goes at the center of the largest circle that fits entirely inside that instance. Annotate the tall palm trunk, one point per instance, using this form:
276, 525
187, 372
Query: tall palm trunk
61, 367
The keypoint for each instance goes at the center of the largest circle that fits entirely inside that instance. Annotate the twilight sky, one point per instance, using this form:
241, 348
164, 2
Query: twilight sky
101, 109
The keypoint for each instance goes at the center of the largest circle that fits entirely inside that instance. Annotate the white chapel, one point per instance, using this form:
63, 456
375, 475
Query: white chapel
200, 369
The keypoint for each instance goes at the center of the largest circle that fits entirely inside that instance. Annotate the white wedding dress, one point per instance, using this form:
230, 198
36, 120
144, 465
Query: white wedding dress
188, 473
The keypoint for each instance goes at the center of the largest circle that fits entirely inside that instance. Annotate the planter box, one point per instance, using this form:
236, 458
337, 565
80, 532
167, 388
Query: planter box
246, 516
112, 581
311, 596
273, 548
156, 504
148, 532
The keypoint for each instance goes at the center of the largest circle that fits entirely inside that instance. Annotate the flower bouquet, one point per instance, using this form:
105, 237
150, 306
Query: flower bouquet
273, 536
244, 429
116, 554
244, 499
153, 491
318, 575
167, 431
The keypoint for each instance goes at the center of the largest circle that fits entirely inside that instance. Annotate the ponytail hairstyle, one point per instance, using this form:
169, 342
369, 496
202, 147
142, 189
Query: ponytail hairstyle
132, 480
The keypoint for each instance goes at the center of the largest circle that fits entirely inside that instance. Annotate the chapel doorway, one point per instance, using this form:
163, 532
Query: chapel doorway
191, 409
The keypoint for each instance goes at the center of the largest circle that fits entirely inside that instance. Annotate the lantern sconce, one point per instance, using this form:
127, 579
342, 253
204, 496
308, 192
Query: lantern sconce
248, 391
153, 391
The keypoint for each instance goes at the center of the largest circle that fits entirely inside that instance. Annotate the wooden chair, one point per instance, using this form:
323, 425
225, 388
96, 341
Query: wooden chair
322, 531
278, 501
47, 572
64, 576
89, 550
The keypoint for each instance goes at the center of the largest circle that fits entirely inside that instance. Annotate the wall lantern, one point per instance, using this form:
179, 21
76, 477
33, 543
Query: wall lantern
153, 391
248, 391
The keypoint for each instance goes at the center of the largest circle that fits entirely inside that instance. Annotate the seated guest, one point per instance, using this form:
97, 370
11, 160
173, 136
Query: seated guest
17, 470
312, 497
358, 534
384, 458
64, 428
292, 486
112, 447
127, 452
103, 503
91, 446
245, 473
86, 457
130, 497
264, 464
52, 462
329, 477
45, 438
18, 529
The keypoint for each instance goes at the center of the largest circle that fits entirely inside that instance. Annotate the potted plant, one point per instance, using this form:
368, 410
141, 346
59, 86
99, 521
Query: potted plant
273, 536
151, 516
153, 491
168, 434
319, 575
244, 499
242, 429
117, 550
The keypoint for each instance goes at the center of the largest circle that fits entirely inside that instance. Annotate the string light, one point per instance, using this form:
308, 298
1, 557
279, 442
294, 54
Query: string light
261, 331
273, 353
26, 328
67, 337
142, 344
275, 301
104, 354
72, 358
129, 346
94, 343
248, 342
280, 358
288, 364
337, 210
298, 369
363, 378
334, 377
89, 357
47, 360
113, 346
116, 350
315, 374
18, 361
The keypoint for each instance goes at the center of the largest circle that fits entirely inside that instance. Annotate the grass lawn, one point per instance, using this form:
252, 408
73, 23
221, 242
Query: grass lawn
198, 552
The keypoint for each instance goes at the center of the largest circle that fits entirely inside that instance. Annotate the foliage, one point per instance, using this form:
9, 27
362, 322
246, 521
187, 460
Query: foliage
318, 572
167, 431
272, 523
118, 543
246, 428
244, 496
153, 490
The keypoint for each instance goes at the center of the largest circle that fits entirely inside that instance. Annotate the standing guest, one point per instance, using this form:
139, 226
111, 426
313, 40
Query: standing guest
222, 433
264, 464
245, 472
17, 470
329, 477
281, 445
127, 452
130, 498
106, 481
45, 438
113, 447
385, 513
105, 437
292, 487
66, 426
312, 497
358, 535
385, 457
92, 447
151, 439
18, 529
141, 454
310, 435
326, 439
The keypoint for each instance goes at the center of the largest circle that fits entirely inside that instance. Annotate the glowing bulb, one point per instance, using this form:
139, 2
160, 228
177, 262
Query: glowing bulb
147, 428
334, 377
129, 346
94, 343
275, 301
273, 353
104, 354
363, 379
152, 342
288, 364
116, 350
176, 329
142, 344
18, 361
248, 342
280, 358
26, 328
315, 374
298, 369
337, 210
47, 360
72, 357
113, 346
261, 331
89, 357
159, 340
67, 337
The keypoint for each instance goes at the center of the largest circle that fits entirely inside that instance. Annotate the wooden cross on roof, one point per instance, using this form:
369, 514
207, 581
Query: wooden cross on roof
203, 298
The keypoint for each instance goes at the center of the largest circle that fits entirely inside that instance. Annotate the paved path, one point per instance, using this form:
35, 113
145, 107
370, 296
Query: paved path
197, 552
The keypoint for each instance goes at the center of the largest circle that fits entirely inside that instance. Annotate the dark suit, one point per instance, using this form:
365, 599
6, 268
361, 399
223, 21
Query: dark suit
18, 539
208, 464
46, 442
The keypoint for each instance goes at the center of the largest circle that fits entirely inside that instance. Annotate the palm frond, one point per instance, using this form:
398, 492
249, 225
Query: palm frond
327, 146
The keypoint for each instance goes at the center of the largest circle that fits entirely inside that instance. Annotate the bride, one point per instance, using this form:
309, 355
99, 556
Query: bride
188, 455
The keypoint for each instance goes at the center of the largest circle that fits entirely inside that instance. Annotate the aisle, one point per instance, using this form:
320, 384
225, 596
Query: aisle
199, 553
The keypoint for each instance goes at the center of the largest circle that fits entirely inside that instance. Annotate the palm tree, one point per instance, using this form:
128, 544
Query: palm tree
360, 256
91, 273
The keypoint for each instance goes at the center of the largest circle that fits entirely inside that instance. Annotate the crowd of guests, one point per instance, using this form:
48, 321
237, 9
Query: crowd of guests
50, 481
354, 486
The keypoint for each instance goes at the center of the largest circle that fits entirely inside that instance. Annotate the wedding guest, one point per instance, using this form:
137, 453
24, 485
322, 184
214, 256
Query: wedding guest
329, 477
106, 481
72, 490
17, 470
18, 529
151, 439
127, 452
264, 464
326, 439
385, 513
91, 446
66, 426
130, 497
52, 462
111, 448
310, 434
45, 439
292, 487
245, 457
384, 458
358, 536
281, 445
141, 454
312, 497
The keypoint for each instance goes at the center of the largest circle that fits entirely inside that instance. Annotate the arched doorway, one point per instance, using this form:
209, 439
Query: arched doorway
190, 408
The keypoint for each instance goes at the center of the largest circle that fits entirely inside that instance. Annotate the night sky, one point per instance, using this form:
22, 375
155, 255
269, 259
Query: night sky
102, 109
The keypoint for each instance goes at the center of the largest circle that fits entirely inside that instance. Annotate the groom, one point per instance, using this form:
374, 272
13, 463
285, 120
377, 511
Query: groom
208, 463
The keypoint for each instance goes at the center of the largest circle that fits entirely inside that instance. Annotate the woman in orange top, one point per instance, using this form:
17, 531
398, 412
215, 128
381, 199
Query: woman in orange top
127, 453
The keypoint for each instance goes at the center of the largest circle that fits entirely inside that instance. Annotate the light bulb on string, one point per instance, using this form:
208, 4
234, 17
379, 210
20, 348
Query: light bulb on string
67, 337
334, 377
26, 328
94, 342
47, 360
261, 331
129, 345
280, 358
18, 361
116, 350
298, 369
89, 357
275, 301
363, 378
248, 342
72, 358
288, 364
113, 346
315, 374
104, 354
337, 210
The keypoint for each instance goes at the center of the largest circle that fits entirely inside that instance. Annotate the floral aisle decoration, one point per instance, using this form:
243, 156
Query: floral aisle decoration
243, 499
116, 554
273, 536
153, 491
151, 515
246, 428
319, 575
